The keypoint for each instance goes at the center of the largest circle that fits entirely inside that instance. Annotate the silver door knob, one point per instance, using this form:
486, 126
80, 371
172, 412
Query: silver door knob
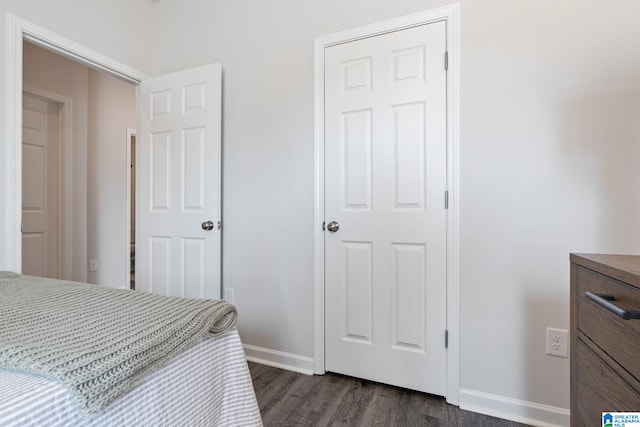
207, 225
333, 226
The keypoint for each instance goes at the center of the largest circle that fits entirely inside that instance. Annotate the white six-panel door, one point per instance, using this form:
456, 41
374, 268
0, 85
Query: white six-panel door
40, 142
179, 184
385, 179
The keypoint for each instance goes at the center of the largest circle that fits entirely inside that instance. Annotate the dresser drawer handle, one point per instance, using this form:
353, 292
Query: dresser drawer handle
606, 302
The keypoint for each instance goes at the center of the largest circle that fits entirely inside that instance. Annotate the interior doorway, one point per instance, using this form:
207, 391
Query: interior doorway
94, 167
18, 31
131, 186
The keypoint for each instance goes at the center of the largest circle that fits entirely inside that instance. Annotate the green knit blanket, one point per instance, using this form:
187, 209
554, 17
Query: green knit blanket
98, 341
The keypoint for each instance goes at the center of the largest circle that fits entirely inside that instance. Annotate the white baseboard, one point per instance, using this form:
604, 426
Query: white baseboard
279, 359
507, 408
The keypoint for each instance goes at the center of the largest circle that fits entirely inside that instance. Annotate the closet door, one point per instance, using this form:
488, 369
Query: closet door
385, 180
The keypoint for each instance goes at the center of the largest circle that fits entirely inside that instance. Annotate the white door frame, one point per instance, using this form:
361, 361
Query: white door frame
64, 175
17, 31
450, 14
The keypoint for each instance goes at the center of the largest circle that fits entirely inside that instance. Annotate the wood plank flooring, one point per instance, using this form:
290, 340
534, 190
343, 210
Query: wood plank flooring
290, 399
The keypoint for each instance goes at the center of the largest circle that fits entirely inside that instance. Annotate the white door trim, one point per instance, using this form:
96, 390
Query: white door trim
64, 177
450, 14
18, 30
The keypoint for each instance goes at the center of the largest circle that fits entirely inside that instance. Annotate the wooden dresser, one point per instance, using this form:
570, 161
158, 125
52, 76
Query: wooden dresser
605, 338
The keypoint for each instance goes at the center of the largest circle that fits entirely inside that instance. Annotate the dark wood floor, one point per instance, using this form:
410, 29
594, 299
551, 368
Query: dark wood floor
290, 399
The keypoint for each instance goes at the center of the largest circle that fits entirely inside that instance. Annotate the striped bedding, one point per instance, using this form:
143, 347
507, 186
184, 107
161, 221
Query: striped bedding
207, 385
98, 341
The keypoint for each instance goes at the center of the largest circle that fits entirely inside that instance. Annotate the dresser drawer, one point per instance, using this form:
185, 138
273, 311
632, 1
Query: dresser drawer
617, 337
598, 389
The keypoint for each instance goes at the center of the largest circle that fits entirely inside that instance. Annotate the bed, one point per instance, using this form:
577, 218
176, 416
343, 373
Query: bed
57, 371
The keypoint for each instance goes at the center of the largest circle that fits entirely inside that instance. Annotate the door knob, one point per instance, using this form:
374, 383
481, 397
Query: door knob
207, 225
333, 226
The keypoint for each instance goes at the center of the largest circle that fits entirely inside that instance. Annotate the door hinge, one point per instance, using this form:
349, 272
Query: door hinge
446, 199
446, 338
446, 60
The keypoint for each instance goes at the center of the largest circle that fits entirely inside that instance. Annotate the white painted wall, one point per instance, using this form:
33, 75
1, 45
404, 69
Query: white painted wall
119, 29
266, 50
112, 109
550, 137
550, 143
52, 73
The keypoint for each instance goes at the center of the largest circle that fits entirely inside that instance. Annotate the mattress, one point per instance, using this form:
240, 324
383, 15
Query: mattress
207, 385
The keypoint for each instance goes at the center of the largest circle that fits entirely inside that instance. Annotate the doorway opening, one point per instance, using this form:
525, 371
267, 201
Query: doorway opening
131, 186
18, 31
93, 179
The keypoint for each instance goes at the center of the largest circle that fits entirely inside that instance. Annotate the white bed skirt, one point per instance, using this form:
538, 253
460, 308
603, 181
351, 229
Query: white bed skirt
207, 385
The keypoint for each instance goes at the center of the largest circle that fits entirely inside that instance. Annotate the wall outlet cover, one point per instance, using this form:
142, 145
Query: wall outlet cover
557, 342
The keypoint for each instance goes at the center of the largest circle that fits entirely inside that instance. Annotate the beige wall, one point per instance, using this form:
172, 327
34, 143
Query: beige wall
46, 71
103, 108
112, 109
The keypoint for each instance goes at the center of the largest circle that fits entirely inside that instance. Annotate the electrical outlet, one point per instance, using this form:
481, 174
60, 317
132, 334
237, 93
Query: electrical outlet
228, 295
557, 342
93, 265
